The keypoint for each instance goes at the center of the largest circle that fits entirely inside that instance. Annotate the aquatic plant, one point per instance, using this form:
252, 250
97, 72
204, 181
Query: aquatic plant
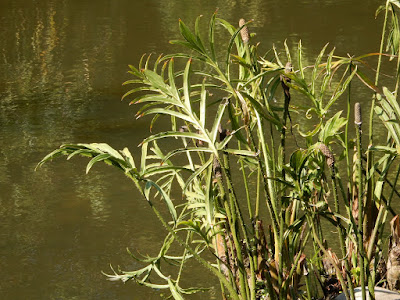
233, 188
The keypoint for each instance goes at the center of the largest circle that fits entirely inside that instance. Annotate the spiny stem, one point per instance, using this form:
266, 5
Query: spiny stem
360, 234
322, 248
236, 207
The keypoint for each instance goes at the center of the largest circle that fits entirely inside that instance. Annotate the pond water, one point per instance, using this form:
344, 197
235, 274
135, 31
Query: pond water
62, 63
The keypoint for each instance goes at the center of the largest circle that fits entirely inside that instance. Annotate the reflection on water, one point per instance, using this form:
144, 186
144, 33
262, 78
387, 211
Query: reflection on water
62, 64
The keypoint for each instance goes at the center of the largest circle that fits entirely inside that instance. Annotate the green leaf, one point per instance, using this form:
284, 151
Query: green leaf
261, 110
51, 155
234, 39
105, 148
241, 152
197, 173
315, 70
234, 119
331, 128
157, 81
190, 135
164, 111
343, 88
387, 111
190, 37
185, 55
96, 159
128, 157
298, 160
171, 80
211, 36
394, 132
150, 171
158, 99
135, 71
83, 152
186, 85
300, 56
187, 149
368, 82
289, 58
203, 96
143, 157
395, 2
385, 149
277, 57
135, 90
391, 99
209, 199
168, 202
217, 121
328, 74
197, 33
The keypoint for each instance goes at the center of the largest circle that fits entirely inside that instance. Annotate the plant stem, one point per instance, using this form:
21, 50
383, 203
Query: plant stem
340, 230
203, 262
246, 187
235, 207
328, 256
360, 233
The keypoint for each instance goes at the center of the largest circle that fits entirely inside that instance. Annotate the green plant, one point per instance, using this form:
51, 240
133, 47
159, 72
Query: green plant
220, 107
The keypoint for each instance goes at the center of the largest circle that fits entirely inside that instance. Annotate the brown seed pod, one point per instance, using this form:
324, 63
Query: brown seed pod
244, 32
217, 168
330, 159
288, 67
284, 79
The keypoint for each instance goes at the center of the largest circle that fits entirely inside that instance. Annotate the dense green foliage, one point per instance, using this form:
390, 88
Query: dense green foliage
229, 111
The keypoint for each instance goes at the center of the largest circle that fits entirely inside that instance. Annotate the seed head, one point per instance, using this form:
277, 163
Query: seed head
330, 159
244, 32
288, 67
284, 79
357, 114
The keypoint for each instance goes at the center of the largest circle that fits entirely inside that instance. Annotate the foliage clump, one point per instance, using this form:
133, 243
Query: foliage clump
247, 198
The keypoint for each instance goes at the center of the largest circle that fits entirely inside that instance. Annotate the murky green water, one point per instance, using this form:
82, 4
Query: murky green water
62, 63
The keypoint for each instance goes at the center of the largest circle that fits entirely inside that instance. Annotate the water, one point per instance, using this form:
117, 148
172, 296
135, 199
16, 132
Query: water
62, 64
